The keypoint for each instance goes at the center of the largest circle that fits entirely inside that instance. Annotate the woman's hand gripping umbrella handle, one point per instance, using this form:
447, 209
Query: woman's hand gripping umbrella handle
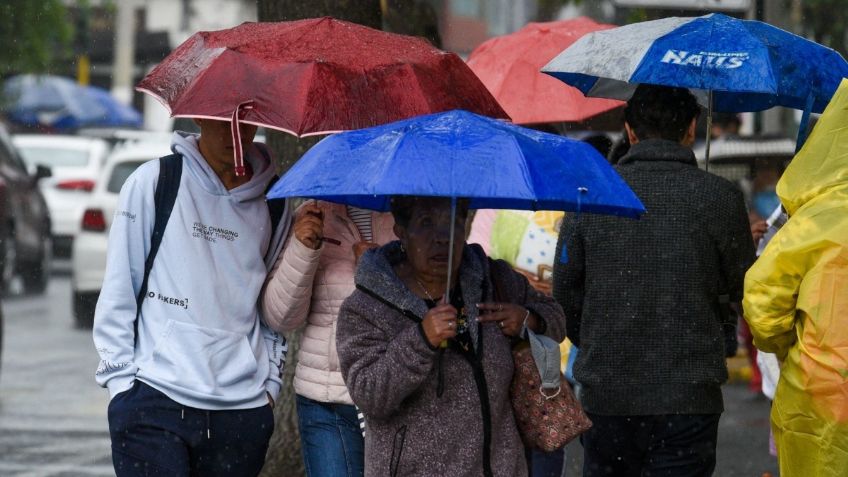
309, 226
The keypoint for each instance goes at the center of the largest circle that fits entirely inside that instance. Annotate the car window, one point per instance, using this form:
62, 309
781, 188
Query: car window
54, 157
119, 175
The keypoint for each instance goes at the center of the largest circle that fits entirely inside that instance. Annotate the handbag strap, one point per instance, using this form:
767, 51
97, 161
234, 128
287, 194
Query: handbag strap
545, 351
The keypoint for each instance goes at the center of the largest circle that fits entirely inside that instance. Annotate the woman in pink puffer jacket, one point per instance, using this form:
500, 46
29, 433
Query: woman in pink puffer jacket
309, 282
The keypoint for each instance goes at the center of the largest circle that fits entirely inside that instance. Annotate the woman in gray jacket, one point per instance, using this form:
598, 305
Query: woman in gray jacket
432, 375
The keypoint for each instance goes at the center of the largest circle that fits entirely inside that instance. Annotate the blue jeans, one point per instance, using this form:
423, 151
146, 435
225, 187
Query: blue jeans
545, 464
153, 435
332, 442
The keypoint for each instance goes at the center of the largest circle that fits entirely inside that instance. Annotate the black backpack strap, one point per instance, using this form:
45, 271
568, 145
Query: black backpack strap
170, 170
276, 207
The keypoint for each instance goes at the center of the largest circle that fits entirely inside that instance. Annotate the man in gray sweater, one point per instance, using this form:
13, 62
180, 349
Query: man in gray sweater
644, 299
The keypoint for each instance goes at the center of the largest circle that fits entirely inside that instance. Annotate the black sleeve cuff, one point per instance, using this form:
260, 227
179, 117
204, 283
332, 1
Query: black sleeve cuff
543, 325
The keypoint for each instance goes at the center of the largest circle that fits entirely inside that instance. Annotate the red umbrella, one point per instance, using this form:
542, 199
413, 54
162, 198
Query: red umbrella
314, 76
509, 66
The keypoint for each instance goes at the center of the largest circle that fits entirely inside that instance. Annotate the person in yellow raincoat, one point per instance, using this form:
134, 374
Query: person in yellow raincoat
796, 302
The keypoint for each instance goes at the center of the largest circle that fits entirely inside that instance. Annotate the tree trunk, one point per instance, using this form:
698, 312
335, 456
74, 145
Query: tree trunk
284, 454
546, 10
412, 17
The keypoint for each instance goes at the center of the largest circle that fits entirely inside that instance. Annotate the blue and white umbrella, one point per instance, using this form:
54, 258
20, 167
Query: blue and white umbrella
749, 65
744, 65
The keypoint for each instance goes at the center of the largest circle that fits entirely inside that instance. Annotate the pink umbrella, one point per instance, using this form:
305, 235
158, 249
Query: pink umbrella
314, 76
509, 66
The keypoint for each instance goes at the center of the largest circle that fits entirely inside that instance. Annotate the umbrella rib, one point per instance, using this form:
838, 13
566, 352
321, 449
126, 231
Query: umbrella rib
157, 97
529, 183
396, 147
418, 89
307, 30
302, 108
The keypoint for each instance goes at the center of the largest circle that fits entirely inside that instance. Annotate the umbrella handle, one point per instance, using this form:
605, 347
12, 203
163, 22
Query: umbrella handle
709, 130
446, 296
450, 250
805, 123
238, 154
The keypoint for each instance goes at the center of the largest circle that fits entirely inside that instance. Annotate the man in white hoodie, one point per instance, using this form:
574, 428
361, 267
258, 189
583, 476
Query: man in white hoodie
193, 380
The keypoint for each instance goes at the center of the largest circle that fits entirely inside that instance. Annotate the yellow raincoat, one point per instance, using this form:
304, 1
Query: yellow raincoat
796, 302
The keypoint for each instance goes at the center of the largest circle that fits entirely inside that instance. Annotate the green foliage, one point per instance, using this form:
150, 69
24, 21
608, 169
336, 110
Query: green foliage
636, 15
34, 35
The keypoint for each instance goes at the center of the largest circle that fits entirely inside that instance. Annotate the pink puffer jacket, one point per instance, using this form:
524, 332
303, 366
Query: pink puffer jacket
308, 286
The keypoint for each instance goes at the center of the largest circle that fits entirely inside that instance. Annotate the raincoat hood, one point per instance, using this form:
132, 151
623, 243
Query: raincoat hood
822, 164
186, 144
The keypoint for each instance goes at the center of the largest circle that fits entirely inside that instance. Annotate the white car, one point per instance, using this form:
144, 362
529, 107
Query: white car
88, 260
75, 163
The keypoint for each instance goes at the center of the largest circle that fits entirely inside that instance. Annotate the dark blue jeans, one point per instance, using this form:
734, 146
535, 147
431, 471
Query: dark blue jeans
332, 442
544, 464
153, 435
671, 445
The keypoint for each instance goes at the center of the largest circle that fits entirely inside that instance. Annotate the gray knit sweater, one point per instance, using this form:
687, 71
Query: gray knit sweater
641, 296
392, 374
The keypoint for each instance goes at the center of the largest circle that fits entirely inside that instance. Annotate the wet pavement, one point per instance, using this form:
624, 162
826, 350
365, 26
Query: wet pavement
52, 414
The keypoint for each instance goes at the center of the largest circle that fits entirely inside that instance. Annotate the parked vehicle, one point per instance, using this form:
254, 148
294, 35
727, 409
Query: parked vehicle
76, 163
1, 334
88, 260
25, 241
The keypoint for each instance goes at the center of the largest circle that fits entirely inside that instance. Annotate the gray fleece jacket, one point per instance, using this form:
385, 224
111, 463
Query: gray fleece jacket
393, 375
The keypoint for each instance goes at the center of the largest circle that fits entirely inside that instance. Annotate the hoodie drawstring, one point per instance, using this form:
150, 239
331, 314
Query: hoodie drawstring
208, 421
238, 154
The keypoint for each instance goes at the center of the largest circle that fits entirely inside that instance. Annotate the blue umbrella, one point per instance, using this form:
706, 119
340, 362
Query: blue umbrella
61, 103
117, 114
459, 154
744, 65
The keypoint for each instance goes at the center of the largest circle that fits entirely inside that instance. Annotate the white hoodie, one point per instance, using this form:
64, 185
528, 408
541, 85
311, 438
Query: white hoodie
200, 337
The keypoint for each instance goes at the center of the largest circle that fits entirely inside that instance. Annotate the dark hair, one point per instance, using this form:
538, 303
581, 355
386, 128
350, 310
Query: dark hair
661, 112
402, 206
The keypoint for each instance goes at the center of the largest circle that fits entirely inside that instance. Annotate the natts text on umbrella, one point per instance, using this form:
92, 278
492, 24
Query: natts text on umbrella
705, 58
